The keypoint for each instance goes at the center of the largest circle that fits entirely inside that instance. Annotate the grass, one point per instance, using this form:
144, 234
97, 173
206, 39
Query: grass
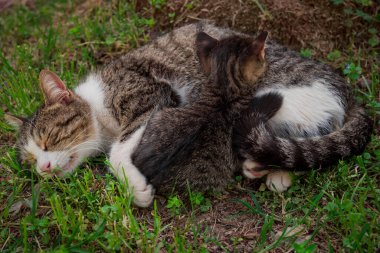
90, 211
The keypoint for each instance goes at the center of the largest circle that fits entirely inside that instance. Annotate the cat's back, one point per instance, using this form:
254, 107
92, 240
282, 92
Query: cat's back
316, 97
287, 69
177, 51
174, 53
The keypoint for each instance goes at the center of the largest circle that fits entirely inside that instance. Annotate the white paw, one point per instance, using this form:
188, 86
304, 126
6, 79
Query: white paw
253, 170
145, 197
279, 181
123, 168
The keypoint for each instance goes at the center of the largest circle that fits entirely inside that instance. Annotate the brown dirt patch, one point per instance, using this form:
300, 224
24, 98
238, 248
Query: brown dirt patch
298, 24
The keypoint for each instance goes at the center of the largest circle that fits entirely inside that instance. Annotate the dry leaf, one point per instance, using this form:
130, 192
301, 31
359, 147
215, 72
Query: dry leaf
16, 207
290, 231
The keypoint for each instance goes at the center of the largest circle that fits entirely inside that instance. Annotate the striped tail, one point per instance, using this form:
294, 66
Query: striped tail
260, 145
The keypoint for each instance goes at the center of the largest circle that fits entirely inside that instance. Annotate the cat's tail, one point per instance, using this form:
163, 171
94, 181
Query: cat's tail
256, 142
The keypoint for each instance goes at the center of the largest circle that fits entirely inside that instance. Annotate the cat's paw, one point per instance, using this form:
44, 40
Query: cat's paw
144, 198
252, 169
279, 181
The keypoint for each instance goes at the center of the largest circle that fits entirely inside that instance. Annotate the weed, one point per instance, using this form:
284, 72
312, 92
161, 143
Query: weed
374, 40
352, 71
306, 53
334, 55
197, 199
174, 205
304, 247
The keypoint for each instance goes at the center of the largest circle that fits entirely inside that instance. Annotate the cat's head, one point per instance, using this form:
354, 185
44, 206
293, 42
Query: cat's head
60, 134
239, 57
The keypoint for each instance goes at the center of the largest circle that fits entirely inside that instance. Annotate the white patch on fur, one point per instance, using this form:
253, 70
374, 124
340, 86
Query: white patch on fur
252, 169
183, 93
91, 90
307, 108
62, 162
184, 88
42, 157
279, 181
123, 168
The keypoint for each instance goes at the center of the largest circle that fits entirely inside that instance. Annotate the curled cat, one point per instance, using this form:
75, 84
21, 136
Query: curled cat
264, 151
319, 124
173, 136
108, 111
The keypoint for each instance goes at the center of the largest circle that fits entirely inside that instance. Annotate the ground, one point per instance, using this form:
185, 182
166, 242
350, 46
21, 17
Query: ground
333, 210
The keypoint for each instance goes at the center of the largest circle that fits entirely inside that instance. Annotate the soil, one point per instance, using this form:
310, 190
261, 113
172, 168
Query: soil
317, 25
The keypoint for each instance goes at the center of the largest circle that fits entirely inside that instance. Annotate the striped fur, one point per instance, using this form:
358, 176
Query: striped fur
173, 133
258, 143
112, 104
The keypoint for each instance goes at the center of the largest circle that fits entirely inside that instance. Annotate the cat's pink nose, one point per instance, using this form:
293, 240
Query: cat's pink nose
46, 167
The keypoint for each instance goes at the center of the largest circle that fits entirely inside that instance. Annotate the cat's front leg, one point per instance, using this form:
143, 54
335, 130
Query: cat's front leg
123, 168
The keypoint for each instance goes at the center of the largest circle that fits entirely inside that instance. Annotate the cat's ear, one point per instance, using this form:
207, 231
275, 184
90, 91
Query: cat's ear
205, 43
253, 58
53, 88
15, 121
258, 45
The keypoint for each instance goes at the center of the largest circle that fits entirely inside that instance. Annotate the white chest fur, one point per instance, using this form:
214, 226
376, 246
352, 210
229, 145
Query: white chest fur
92, 91
307, 108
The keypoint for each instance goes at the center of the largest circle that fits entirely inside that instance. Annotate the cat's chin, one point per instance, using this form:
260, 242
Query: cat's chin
58, 172
71, 164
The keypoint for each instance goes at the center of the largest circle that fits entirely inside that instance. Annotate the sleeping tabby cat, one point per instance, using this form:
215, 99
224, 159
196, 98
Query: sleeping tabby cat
109, 110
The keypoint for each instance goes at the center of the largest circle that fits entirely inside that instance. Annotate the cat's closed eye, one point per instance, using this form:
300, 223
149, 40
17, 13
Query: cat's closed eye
43, 145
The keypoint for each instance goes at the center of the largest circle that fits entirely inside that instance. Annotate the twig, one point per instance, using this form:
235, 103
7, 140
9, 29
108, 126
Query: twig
263, 9
5, 243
